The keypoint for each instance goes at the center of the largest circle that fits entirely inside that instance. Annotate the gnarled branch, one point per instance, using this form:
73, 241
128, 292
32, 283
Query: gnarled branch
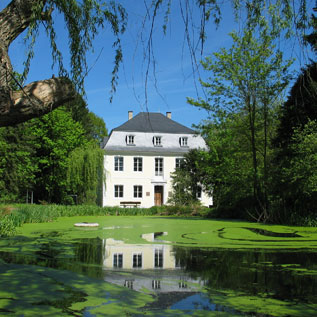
39, 97
34, 100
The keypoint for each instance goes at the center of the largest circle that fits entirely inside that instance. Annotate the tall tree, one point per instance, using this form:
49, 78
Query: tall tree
226, 171
56, 136
295, 145
248, 78
85, 173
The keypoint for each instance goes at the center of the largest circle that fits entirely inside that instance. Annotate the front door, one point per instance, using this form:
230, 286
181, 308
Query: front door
158, 195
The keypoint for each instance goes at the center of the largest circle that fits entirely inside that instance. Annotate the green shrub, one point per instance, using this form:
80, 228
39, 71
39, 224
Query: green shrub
7, 226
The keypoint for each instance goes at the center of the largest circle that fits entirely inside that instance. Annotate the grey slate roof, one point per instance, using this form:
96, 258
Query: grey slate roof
153, 122
104, 141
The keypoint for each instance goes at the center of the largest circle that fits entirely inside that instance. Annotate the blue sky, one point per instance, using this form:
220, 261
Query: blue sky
174, 78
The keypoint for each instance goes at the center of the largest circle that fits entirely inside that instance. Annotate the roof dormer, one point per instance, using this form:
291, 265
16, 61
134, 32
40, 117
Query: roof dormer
130, 139
157, 140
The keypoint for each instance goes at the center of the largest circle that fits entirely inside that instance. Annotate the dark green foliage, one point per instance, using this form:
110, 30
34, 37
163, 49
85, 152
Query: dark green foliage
57, 135
300, 107
17, 163
94, 126
186, 180
294, 184
38, 155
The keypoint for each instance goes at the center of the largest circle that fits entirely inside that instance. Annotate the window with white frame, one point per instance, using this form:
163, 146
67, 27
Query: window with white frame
183, 141
178, 162
137, 191
118, 163
118, 260
158, 258
130, 139
158, 166
137, 164
157, 141
118, 191
137, 260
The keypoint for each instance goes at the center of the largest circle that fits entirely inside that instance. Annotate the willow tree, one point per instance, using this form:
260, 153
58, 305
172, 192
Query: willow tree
84, 174
83, 20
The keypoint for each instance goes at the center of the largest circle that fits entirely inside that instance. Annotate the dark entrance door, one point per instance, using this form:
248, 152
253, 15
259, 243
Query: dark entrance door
158, 195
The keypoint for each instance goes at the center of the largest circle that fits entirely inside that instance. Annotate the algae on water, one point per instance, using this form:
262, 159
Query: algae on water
57, 269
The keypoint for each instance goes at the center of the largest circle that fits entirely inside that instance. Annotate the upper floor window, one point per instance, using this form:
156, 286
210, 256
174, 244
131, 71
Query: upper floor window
130, 140
118, 163
118, 191
158, 166
137, 164
178, 162
157, 141
183, 141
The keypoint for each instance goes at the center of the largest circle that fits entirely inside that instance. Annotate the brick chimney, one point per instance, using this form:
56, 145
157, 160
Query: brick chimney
130, 114
169, 115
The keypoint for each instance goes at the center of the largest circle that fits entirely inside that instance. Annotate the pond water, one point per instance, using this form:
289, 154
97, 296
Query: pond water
158, 277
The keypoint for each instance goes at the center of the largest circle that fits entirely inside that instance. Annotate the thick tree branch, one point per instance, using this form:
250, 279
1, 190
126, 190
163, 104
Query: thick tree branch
35, 100
39, 97
15, 18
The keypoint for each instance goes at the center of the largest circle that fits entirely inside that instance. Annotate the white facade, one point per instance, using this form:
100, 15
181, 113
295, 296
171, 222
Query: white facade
138, 164
150, 266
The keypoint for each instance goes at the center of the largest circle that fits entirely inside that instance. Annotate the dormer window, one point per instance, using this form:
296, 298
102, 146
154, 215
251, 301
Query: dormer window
157, 141
183, 141
130, 140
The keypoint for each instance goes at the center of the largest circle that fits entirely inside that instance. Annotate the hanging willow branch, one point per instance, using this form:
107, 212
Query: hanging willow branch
83, 20
84, 175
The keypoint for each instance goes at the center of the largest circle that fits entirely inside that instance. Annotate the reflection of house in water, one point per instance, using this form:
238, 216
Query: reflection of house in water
150, 266
138, 256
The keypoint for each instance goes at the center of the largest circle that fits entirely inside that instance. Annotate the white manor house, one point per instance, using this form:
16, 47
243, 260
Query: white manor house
140, 156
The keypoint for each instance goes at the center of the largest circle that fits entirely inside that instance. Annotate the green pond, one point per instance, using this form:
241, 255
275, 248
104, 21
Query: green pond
158, 266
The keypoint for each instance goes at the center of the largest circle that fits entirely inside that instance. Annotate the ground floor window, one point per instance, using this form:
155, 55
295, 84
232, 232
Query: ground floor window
118, 191
137, 191
117, 260
158, 258
137, 260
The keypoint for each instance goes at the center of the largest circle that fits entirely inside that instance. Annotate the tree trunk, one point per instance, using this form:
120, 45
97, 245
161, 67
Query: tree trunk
36, 98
